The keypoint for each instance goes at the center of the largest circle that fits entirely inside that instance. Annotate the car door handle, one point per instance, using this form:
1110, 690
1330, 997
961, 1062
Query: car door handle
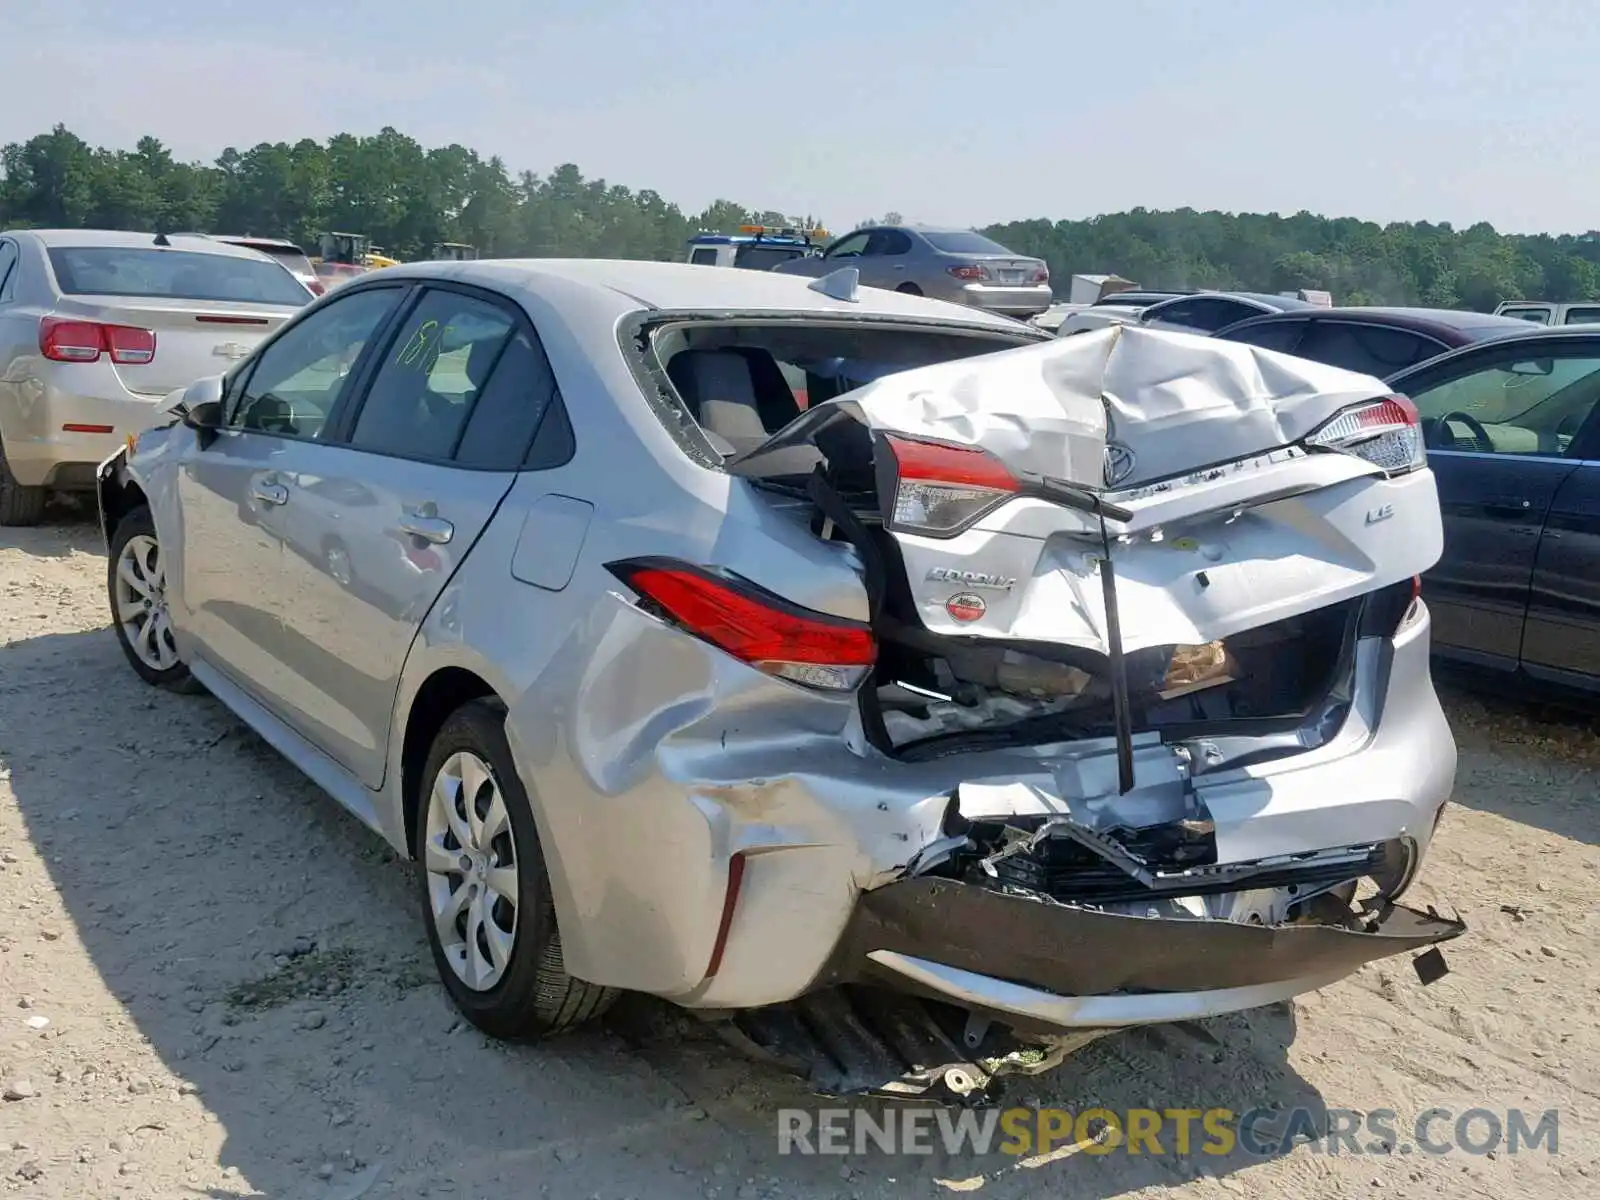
269, 493
426, 524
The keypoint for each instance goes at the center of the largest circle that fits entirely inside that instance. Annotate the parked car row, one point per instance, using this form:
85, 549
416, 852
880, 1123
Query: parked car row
1511, 420
629, 651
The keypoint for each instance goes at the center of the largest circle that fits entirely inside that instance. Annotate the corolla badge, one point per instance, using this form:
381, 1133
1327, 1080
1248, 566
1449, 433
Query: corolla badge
1119, 463
972, 579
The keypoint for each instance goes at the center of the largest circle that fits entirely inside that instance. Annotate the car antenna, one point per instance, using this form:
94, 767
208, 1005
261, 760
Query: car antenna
838, 285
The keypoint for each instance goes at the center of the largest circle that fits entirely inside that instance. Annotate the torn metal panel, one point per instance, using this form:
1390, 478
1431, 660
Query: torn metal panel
1077, 951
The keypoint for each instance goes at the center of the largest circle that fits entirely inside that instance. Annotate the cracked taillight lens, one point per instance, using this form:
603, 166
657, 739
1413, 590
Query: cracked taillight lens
1385, 432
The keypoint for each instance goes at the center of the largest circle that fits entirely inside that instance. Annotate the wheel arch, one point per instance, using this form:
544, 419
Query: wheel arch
443, 692
118, 496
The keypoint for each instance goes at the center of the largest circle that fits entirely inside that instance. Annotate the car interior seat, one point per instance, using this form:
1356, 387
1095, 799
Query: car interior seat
739, 397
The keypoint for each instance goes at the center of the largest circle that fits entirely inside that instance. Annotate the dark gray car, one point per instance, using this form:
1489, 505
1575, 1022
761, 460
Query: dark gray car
960, 265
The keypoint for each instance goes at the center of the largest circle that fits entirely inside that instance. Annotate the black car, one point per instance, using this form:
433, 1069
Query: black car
1374, 341
1512, 429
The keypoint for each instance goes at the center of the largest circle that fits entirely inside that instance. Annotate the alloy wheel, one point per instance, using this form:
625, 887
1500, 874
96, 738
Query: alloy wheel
141, 603
470, 856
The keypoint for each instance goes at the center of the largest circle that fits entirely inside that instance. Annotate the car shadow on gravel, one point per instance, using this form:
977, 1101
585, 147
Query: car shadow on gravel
268, 947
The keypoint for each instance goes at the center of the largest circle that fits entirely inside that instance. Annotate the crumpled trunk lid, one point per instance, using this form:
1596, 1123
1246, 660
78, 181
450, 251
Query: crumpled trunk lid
1179, 458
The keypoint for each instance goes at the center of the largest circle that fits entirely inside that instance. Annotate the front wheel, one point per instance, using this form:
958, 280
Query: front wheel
486, 899
909, 289
136, 578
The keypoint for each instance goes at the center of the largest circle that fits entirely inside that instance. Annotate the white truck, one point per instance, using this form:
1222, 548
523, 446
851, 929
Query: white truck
1551, 312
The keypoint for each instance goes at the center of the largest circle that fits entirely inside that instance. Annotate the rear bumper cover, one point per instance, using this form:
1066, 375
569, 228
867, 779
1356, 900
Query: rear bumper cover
1063, 966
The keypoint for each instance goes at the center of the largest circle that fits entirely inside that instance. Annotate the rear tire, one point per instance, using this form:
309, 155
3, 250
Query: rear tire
136, 589
19, 504
476, 842
909, 289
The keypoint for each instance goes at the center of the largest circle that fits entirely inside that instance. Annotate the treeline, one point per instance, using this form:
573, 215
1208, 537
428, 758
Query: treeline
405, 198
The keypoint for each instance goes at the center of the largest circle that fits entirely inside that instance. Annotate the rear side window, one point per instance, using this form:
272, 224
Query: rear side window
1204, 316
1537, 316
888, 242
1582, 315
1370, 349
706, 256
432, 373
510, 408
172, 274
1269, 335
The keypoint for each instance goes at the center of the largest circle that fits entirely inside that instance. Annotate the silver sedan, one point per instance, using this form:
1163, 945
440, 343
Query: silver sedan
953, 702
97, 326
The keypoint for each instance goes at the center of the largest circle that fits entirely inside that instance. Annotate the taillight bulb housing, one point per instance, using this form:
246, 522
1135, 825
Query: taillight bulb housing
940, 489
1386, 432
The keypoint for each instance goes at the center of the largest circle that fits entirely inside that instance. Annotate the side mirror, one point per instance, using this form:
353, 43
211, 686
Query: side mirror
205, 417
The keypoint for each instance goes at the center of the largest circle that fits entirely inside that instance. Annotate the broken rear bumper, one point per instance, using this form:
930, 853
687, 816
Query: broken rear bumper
1049, 966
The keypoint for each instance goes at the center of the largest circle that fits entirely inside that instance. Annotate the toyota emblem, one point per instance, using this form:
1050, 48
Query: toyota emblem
1119, 463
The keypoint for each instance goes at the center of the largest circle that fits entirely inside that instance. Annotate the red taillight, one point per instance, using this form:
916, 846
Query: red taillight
1042, 275
1386, 432
753, 625
968, 272
62, 340
316, 286
1416, 588
730, 901
941, 489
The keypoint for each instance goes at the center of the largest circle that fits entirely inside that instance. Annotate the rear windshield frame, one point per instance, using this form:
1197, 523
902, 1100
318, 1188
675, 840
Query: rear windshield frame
278, 286
636, 335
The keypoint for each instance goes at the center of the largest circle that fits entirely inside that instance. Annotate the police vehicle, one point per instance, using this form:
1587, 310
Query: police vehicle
755, 247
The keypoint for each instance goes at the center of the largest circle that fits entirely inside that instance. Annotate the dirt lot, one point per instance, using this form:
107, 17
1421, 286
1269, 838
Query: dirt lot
213, 983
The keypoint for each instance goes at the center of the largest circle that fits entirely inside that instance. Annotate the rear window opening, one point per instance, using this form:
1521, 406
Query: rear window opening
936, 696
743, 381
965, 241
172, 275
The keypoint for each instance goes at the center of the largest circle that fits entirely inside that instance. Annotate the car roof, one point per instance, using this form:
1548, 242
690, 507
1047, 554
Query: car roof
125, 239
1278, 302
1421, 320
244, 239
1529, 333
628, 285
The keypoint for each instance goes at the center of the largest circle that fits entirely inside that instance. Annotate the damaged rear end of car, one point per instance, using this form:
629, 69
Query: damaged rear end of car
1140, 620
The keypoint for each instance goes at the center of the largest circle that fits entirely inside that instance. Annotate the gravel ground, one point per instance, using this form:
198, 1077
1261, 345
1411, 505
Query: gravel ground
214, 983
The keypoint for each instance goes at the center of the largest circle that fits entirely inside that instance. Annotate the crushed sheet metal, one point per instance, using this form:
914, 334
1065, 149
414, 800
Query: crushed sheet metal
1051, 408
1077, 951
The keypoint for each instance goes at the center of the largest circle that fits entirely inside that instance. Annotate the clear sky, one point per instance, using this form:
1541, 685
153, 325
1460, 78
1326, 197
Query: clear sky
948, 111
